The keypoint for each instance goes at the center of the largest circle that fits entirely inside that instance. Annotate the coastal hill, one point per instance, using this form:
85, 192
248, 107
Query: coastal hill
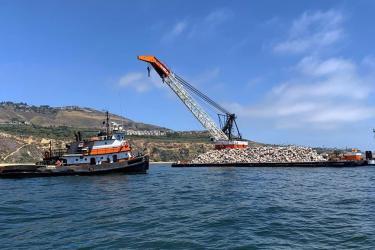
70, 116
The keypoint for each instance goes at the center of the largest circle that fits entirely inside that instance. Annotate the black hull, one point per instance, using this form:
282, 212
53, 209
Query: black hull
338, 164
134, 166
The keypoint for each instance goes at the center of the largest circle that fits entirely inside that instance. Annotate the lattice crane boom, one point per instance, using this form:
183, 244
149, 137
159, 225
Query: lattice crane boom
180, 87
216, 133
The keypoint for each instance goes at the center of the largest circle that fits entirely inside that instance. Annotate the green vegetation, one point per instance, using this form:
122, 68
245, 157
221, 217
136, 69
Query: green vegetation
64, 132
70, 116
22, 107
38, 131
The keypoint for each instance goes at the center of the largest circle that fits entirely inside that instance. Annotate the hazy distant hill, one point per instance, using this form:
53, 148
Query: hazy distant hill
71, 116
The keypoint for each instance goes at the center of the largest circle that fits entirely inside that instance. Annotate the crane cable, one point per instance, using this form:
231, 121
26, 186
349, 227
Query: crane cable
201, 95
196, 91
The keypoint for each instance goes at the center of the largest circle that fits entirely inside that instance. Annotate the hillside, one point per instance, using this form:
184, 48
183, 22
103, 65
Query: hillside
71, 116
26, 143
26, 132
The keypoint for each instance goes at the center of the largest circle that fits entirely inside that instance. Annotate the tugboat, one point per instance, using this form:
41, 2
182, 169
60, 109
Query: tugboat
108, 152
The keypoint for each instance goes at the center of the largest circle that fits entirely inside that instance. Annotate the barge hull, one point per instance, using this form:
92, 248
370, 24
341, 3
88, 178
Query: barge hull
286, 164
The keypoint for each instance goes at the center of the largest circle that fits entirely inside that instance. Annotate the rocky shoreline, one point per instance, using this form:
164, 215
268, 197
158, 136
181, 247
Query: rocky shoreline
260, 154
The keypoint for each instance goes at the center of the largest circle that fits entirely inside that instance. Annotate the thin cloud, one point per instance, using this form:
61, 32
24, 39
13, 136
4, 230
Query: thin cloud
210, 23
177, 30
197, 27
324, 94
313, 30
369, 62
255, 81
207, 76
218, 16
139, 81
313, 67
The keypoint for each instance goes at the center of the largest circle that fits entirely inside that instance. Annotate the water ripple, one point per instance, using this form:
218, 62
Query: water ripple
210, 208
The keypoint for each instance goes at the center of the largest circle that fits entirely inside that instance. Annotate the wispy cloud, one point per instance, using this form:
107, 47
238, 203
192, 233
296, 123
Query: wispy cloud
210, 23
207, 76
311, 31
177, 30
198, 26
369, 62
324, 94
255, 81
218, 16
139, 81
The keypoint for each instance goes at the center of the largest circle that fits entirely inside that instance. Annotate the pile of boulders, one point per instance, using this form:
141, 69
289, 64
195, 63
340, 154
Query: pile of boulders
264, 154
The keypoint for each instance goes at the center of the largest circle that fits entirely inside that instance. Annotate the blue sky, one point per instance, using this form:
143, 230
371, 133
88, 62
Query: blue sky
295, 72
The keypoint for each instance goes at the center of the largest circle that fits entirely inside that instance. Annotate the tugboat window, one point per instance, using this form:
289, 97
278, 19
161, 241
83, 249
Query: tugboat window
92, 161
115, 158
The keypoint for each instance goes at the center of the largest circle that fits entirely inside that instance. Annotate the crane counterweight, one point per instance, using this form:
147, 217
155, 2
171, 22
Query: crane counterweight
224, 137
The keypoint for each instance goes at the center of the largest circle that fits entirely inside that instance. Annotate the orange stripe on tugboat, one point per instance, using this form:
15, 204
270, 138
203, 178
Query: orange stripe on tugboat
100, 151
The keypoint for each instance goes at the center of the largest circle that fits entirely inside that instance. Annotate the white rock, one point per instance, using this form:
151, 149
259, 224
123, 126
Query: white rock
260, 154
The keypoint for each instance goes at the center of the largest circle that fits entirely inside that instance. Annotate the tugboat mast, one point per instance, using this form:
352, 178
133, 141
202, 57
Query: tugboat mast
107, 124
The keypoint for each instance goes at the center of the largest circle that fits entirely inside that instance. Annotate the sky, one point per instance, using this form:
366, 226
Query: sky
294, 72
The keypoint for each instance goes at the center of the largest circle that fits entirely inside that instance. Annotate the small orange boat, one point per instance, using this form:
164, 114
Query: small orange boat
354, 155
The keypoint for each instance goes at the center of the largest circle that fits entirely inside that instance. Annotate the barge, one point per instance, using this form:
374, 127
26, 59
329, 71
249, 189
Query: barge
274, 164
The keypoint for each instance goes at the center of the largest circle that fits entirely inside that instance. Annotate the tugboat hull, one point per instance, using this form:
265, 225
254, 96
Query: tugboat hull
134, 166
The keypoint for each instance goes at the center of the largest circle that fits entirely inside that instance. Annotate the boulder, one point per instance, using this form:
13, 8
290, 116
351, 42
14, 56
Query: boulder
265, 154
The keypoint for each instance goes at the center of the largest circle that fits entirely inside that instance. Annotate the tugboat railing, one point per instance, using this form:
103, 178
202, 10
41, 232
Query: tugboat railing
55, 153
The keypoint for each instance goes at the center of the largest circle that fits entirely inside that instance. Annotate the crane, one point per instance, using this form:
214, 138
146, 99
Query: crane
228, 136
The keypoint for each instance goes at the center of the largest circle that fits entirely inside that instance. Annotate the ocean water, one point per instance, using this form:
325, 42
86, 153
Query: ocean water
199, 208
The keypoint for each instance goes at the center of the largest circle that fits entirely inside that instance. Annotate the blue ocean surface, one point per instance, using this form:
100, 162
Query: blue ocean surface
197, 208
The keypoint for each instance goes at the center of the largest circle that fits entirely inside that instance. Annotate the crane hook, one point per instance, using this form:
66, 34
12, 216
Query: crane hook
148, 71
